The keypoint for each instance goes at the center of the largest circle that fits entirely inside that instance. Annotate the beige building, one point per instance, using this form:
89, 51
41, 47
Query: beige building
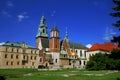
105, 48
18, 55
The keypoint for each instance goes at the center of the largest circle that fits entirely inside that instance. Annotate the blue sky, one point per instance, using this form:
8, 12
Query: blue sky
88, 21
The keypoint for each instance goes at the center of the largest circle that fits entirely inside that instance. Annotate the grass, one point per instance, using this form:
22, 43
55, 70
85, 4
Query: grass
33, 74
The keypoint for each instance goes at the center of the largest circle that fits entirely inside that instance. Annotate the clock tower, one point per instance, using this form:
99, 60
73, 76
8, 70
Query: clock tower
41, 34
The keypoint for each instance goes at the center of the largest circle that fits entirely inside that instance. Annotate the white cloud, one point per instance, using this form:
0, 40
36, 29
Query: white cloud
109, 33
88, 45
2, 43
22, 16
5, 13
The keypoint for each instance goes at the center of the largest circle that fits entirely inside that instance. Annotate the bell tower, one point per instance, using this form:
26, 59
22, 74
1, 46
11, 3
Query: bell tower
42, 33
54, 43
54, 46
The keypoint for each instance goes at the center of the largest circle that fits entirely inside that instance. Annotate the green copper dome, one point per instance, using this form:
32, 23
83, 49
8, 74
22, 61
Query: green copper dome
63, 51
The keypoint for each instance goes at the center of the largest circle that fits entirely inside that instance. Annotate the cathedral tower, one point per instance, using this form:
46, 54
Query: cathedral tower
41, 34
54, 45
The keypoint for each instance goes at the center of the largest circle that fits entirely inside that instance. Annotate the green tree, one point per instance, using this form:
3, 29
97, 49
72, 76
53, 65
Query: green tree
97, 62
115, 54
116, 39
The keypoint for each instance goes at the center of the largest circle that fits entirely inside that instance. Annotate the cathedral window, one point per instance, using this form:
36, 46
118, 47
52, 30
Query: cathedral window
12, 63
84, 62
64, 55
80, 52
17, 56
40, 60
56, 60
35, 51
31, 57
18, 63
24, 57
27, 57
76, 51
31, 51
35, 58
12, 49
80, 62
23, 50
6, 55
11, 56
17, 50
7, 63
33, 63
85, 53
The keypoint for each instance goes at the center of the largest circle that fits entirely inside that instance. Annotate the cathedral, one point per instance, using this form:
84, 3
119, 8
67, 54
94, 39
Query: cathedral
56, 54
50, 52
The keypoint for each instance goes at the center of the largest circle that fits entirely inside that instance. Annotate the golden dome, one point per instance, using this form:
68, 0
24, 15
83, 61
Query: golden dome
73, 53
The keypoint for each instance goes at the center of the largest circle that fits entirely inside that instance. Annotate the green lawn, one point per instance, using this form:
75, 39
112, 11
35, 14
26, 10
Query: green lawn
33, 74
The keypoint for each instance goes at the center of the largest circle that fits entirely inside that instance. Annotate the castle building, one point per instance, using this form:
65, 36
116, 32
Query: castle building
18, 55
105, 48
50, 52
56, 53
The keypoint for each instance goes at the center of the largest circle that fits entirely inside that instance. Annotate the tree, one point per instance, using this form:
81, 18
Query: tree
97, 62
115, 54
116, 39
104, 61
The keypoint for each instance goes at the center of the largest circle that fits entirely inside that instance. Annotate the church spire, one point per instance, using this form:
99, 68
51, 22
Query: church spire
42, 29
66, 36
42, 21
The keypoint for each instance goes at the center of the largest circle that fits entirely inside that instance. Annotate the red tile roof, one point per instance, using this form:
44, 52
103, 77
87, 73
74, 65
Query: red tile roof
104, 47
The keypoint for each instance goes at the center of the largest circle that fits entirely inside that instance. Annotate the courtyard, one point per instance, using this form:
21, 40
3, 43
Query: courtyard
34, 74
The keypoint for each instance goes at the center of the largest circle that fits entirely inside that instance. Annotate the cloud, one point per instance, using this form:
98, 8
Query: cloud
109, 33
22, 16
88, 45
2, 43
9, 4
5, 13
